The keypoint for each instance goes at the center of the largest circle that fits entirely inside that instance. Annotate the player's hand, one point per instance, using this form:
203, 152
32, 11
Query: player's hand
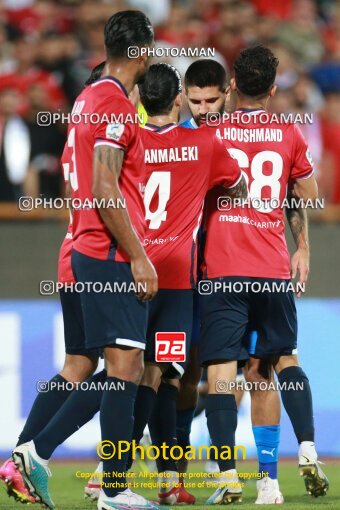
300, 264
145, 277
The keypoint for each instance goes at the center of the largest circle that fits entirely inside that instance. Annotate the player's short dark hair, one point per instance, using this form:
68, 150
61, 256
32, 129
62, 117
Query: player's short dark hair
161, 85
95, 73
255, 71
125, 29
206, 73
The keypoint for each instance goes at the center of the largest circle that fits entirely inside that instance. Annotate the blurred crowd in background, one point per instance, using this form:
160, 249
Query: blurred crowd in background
48, 48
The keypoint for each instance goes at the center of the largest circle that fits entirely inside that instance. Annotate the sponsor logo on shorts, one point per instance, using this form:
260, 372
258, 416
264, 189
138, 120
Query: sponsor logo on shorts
170, 346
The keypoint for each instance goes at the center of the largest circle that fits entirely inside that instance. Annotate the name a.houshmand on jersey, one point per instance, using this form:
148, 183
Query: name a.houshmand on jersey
250, 135
172, 154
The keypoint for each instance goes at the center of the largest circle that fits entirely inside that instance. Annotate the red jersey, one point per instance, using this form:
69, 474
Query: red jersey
243, 241
181, 164
65, 274
106, 101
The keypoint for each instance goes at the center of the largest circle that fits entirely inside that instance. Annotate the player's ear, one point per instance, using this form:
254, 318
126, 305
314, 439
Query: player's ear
272, 91
179, 99
144, 59
233, 84
230, 100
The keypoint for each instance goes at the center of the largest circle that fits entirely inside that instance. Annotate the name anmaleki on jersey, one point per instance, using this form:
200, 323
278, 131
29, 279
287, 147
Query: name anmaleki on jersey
249, 134
172, 154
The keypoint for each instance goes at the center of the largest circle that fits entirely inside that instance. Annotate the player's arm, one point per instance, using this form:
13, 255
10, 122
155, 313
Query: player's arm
303, 183
106, 171
239, 190
225, 171
305, 189
298, 224
302, 186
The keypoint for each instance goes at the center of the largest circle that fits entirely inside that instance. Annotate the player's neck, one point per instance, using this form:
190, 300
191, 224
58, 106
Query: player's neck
247, 104
122, 72
162, 120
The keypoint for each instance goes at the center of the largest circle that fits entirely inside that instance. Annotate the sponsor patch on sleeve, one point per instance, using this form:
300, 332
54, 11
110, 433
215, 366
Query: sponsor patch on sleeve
114, 131
309, 157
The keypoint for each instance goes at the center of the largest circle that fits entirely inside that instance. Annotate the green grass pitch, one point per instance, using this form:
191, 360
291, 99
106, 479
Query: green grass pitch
67, 490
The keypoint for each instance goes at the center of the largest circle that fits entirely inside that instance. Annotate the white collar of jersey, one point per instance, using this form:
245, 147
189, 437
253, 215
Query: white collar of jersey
160, 129
250, 112
193, 123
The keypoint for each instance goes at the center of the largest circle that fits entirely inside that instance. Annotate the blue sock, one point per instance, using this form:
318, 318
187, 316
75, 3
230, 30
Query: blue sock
267, 439
183, 428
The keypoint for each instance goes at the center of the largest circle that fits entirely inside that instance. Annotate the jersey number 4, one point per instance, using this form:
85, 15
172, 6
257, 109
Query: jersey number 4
158, 181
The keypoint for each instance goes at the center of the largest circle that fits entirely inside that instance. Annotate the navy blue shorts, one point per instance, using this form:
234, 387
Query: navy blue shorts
227, 318
74, 333
171, 310
110, 318
196, 320
249, 338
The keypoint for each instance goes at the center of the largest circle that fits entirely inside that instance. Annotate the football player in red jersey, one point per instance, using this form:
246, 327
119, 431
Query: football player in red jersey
206, 90
107, 164
79, 362
174, 202
181, 166
246, 247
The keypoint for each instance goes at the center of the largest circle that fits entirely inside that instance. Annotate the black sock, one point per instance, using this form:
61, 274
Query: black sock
144, 403
45, 406
116, 421
162, 424
80, 408
221, 412
298, 402
184, 420
183, 426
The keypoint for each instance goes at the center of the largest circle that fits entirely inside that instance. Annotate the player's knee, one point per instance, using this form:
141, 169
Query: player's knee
285, 362
222, 372
258, 371
77, 368
151, 376
127, 365
254, 376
